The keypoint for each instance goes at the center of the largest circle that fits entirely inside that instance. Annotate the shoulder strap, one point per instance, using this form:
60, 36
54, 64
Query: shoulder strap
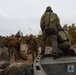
48, 28
49, 18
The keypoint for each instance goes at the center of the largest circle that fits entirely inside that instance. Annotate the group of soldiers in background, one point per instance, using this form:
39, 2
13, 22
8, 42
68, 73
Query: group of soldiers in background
13, 43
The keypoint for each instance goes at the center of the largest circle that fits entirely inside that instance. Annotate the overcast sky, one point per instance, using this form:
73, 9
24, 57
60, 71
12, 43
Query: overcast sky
25, 15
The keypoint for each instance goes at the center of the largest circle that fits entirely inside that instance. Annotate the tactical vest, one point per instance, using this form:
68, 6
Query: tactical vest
64, 39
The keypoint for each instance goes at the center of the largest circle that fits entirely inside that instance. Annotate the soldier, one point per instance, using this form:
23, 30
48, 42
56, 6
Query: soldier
50, 24
32, 46
17, 48
9, 45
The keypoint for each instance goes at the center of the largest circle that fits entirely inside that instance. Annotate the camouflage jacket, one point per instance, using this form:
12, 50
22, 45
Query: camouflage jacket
49, 18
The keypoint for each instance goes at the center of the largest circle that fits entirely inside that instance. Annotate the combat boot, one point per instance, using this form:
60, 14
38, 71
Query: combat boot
42, 53
55, 55
60, 55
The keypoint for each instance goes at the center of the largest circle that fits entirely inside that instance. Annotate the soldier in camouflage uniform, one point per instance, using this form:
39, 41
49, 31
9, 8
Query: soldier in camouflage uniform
50, 24
16, 46
9, 46
32, 46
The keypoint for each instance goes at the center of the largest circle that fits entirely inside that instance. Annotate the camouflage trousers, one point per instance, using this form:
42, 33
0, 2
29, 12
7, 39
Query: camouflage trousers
53, 35
16, 54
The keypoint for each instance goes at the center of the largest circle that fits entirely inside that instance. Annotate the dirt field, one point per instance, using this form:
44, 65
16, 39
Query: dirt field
27, 61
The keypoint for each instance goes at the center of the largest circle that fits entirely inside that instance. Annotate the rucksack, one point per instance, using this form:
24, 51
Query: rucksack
63, 39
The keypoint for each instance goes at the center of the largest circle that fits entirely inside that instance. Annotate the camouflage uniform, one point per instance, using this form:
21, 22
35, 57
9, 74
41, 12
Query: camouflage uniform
17, 49
9, 45
50, 24
32, 46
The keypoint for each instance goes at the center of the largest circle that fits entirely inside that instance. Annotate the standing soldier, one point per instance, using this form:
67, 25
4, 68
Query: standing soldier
32, 46
50, 24
17, 48
9, 45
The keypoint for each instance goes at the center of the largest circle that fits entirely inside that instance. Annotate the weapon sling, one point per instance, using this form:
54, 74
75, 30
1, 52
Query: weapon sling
48, 28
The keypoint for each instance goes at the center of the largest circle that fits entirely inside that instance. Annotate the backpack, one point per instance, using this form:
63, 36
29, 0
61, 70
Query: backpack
63, 39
